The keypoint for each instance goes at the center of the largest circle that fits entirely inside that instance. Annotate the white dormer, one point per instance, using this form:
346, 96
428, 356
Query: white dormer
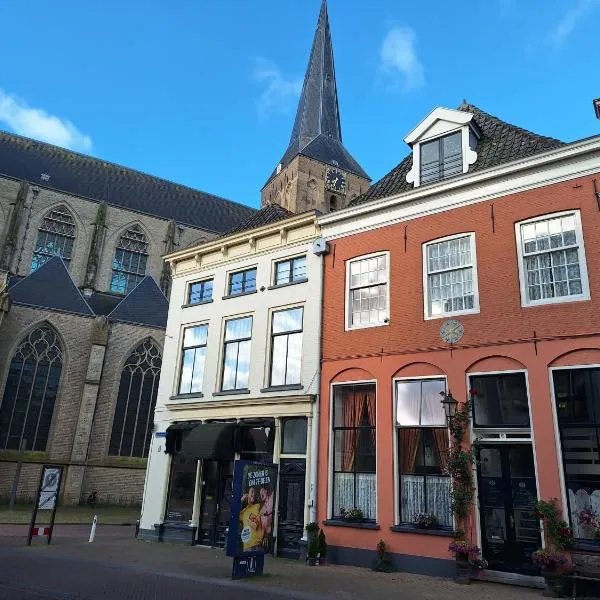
443, 146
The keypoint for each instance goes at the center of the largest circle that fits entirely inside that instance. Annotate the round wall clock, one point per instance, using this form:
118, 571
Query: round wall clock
452, 331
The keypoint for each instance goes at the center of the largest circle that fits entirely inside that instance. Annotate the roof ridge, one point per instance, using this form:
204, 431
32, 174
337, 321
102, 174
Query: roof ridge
114, 164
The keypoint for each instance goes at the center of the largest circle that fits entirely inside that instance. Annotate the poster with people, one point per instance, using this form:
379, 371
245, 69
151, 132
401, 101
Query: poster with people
253, 503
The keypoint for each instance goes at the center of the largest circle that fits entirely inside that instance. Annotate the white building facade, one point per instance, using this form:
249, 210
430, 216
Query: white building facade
240, 379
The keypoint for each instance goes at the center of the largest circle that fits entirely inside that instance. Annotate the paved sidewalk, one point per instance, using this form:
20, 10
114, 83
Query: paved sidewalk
115, 546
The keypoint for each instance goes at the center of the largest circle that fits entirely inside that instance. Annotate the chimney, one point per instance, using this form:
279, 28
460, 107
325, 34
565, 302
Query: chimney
597, 107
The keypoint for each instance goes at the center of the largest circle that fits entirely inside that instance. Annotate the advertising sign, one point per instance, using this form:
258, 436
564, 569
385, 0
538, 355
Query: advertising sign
47, 499
252, 507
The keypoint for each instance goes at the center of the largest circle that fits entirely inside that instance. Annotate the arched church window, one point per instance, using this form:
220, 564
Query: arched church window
129, 265
333, 204
30, 391
132, 424
55, 237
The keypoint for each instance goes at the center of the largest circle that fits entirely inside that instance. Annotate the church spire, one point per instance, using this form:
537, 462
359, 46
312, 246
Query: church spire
318, 112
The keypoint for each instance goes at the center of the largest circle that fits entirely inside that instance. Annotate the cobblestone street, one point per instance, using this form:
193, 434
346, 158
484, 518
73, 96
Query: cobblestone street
118, 566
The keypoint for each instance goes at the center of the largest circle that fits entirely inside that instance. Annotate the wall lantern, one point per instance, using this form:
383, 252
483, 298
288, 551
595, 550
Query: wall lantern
450, 405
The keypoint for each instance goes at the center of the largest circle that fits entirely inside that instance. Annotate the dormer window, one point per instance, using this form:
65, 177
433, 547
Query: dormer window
443, 146
441, 158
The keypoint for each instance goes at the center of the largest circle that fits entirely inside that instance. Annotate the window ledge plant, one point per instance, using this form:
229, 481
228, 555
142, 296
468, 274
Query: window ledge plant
352, 514
426, 521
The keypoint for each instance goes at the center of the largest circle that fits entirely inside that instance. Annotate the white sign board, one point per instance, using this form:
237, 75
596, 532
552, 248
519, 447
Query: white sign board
49, 491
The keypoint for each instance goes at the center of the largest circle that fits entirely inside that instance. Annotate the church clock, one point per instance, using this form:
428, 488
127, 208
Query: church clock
335, 180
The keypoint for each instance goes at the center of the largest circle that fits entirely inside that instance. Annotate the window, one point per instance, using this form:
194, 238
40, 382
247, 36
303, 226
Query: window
354, 449
55, 238
552, 259
182, 485
450, 276
200, 291
194, 355
133, 420
242, 282
236, 362
441, 158
294, 436
423, 450
289, 271
333, 204
286, 346
129, 264
367, 291
577, 396
30, 391
500, 400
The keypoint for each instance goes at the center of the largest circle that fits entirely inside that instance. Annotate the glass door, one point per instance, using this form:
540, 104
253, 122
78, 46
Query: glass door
215, 507
507, 490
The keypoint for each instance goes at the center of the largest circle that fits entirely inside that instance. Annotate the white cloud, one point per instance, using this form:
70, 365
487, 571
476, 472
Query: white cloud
279, 94
571, 19
37, 123
399, 63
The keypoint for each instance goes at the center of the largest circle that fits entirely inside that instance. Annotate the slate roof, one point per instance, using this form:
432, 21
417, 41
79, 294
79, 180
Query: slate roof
51, 286
102, 303
500, 143
271, 213
96, 179
317, 132
144, 305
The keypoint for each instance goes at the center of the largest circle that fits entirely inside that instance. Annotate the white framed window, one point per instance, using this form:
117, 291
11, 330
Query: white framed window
450, 276
286, 346
236, 354
552, 266
367, 291
441, 158
193, 358
291, 270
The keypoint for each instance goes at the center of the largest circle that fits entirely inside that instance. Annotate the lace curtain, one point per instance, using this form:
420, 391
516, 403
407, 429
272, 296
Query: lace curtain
366, 493
426, 495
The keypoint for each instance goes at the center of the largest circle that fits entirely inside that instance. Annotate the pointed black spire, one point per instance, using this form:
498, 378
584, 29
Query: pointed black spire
317, 132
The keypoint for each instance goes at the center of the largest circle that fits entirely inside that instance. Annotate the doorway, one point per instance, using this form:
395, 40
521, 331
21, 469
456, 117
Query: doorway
215, 502
292, 475
507, 491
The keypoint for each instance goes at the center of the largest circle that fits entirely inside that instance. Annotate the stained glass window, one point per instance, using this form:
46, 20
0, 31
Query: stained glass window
55, 237
129, 264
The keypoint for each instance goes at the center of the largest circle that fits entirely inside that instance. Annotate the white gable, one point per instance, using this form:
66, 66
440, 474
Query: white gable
438, 122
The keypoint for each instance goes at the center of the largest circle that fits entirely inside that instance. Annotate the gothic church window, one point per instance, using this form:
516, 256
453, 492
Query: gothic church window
132, 424
55, 237
129, 264
30, 391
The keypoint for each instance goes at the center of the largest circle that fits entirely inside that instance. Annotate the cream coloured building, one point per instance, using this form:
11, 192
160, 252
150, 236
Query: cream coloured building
240, 379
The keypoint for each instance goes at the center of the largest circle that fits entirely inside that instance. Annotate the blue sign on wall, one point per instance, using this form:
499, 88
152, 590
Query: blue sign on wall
252, 508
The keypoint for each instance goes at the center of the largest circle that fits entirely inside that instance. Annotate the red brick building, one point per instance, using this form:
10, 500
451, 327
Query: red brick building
472, 265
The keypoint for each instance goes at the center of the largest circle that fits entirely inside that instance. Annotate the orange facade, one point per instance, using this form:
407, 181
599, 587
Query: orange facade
503, 337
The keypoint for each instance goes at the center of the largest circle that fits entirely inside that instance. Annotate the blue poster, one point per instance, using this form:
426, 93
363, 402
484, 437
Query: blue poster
252, 508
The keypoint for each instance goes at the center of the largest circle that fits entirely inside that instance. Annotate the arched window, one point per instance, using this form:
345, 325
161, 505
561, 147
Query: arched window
55, 237
129, 265
30, 392
132, 425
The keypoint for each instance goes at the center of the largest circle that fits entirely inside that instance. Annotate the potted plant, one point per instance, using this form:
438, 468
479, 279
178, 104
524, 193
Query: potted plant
465, 552
352, 514
426, 521
553, 567
312, 546
477, 565
590, 522
322, 547
383, 562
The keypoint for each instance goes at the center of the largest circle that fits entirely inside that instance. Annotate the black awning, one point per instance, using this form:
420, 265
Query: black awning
210, 440
175, 435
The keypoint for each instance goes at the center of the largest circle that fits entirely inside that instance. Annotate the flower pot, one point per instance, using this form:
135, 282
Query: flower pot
555, 584
322, 560
311, 561
463, 569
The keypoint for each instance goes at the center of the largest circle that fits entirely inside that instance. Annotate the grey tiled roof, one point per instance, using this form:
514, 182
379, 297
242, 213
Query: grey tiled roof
144, 305
51, 287
265, 216
88, 177
500, 143
317, 132
102, 303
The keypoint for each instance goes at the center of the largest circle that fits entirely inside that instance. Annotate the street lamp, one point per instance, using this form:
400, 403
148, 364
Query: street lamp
450, 405
597, 107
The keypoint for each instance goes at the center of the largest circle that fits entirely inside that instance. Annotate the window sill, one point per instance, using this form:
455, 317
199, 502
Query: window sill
281, 285
191, 396
231, 392
587, 546
554, 301
283, 388
422, 531
238, 295
352, 524
452, 315
197, 303
359, 327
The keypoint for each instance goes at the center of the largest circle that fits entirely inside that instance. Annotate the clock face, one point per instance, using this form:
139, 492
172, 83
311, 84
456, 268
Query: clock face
452, 331
335, 180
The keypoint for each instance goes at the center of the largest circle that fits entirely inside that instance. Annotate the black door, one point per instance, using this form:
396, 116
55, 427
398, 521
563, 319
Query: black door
507, 491
215, 506
292, 475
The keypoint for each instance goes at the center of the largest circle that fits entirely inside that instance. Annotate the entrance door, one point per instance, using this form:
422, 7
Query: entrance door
507, 491
215, 507
292, 475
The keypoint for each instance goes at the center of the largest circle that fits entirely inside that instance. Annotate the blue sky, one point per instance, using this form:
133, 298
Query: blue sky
203, 92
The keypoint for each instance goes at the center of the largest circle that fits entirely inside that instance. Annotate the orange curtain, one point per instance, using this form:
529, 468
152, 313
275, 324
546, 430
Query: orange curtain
442, 446
410, 439
351, 411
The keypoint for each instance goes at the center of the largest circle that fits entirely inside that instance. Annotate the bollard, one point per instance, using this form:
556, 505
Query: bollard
93, 531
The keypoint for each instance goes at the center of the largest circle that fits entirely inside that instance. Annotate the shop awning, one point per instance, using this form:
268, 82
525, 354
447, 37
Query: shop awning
210, 440
175, 435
